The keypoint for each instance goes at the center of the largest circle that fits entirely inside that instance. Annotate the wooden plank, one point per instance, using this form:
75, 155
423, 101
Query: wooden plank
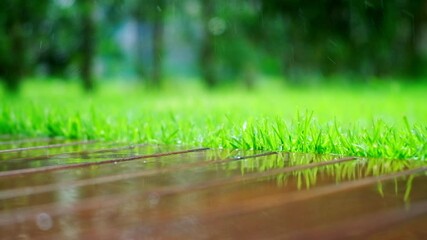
164, 192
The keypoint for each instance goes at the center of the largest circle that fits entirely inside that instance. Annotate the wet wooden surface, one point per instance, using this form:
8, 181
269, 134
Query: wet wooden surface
58, 189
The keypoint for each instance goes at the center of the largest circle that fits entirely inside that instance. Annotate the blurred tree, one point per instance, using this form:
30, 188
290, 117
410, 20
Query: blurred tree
312, 34
139, 14
154, 13
19, 21
207, 58
362, 37
112, 15
87, 47
158, 42
230, 39
416, 60
240, 42
59, 40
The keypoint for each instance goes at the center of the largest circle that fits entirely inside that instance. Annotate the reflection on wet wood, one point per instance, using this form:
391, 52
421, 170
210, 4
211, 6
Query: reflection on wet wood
367, 224
88, 164
21, 149
56, 189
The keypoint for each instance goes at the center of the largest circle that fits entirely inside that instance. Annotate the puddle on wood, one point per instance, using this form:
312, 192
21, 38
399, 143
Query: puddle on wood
115, 191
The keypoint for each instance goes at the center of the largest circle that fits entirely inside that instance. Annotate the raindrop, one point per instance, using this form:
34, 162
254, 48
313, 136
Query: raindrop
65, 3
245, 125
153, 200
23, 236
217, 26
189, 221
368, 4
44, 221
330, 59
192, 8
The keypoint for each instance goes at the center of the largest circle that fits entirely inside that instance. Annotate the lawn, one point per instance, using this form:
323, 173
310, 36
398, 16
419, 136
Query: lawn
384, 119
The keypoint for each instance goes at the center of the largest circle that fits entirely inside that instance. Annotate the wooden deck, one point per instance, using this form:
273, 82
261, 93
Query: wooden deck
57, 189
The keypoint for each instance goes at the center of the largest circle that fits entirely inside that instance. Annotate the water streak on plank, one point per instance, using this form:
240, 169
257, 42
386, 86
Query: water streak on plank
46, 146
206, 194
260, 203
126, 176
87, 164
30, 140
71, 154
232, 209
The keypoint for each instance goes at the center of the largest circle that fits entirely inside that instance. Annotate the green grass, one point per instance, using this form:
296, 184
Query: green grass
387, 120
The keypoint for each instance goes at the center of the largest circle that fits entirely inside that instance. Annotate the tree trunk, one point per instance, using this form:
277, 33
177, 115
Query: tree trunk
207, 54
414, 66
158, 46
17, 61
139, 50
13, 59
87, 45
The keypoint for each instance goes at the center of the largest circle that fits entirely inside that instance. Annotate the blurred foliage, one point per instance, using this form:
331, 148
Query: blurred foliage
19, 21
220, 41
364, 37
